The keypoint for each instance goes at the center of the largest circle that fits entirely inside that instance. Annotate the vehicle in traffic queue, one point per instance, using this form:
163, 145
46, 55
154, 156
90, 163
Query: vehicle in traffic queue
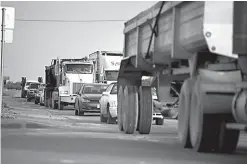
39, 93
157, 116
87, 99
108, 104
42, 97
32, 89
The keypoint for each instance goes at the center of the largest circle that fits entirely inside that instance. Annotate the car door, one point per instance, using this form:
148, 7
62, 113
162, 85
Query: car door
105, 98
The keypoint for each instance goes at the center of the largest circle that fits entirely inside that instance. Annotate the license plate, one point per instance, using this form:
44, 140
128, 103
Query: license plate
97, 105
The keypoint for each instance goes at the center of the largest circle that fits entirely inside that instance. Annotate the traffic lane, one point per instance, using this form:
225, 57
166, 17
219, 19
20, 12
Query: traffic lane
68, 110
62, 148
169, 127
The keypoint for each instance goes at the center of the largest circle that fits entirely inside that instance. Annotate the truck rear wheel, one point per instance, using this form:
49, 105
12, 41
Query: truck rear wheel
120, 99
145, 110
228, 139
60, 105
207, 131
54, 104
184, 113
46, 100
130, 109
204, 130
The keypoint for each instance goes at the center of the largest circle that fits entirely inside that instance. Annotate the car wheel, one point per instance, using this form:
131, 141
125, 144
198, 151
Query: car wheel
76, 108
80, 113
110, 120
102, 118
76, 112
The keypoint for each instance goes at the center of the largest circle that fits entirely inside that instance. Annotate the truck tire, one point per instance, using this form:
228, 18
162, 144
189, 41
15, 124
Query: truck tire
46, 100
130, 109
60, 105
120, 99
228, 139
102, 118
145, 117
184, 113
22, 94
54, 104
204, 129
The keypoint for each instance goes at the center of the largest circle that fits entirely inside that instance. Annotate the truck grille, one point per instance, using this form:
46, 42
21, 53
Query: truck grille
76, 87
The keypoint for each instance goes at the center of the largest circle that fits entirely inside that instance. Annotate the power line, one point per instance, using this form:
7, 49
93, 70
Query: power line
69, 21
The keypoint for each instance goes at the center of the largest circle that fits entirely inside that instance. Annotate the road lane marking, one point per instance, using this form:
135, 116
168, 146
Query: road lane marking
67, 161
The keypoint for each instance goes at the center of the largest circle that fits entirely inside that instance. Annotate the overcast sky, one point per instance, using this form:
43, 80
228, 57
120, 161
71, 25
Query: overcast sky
36, 43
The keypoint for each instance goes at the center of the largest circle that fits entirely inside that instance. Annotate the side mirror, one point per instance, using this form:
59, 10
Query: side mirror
104, 93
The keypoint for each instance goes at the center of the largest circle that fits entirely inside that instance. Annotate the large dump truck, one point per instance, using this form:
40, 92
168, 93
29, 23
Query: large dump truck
202, 44
63, 79
107, 64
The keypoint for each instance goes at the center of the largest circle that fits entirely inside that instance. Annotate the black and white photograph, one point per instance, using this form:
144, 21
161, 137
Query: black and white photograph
123, 82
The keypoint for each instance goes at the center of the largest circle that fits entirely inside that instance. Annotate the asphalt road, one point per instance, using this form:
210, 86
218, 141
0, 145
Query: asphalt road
63, 138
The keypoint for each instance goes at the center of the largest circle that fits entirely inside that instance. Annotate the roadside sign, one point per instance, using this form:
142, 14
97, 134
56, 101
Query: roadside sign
9, 23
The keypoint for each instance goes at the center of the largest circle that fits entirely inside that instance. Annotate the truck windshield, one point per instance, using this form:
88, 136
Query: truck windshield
34, 86
79, 68
94, 89
28, 83
112, 54
111, 75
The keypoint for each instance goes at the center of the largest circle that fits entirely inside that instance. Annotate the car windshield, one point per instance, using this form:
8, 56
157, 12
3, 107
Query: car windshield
94, 89
114, 89
34, 86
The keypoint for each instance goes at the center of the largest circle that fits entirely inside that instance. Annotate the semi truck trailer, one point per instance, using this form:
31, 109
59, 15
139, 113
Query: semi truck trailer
64, 77
202, 44
107, 64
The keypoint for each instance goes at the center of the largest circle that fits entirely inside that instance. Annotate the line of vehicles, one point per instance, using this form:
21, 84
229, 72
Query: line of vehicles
88, 84
195, 51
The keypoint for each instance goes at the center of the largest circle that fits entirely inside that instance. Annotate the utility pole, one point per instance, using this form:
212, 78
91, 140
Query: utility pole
7, 20
2, 51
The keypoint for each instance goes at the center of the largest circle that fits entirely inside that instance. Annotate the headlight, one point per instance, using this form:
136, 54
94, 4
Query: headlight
64, 92
113, 103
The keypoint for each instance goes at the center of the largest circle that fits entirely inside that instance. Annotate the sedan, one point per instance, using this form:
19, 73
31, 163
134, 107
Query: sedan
108, 104
87, 99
